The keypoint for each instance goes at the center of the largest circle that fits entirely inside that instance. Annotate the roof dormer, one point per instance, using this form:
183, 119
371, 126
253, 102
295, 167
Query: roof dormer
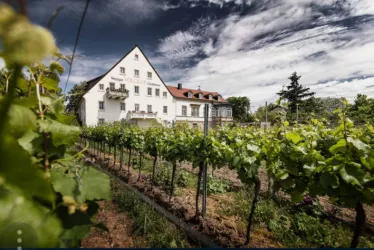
218, 97
189, 94
199, 95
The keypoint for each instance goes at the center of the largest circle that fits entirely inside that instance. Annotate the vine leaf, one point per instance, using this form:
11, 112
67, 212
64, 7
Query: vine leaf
17, 209
61, 133
294, 137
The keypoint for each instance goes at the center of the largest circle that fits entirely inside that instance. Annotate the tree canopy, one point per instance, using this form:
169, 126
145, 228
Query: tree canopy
73, 98
295, 92
241, 108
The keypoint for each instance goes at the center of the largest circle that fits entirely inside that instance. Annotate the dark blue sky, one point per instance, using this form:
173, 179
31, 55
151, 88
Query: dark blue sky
235, 47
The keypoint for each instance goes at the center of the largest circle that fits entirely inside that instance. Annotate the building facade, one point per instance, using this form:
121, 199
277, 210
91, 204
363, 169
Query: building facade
133, 90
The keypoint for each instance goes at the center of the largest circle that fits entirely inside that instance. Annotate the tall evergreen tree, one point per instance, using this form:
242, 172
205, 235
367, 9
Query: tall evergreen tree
295, 92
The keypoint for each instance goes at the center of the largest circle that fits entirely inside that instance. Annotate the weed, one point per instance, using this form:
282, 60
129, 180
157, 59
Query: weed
159, 232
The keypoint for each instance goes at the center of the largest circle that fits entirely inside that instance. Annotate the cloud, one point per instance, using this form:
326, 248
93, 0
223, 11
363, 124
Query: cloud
328, 42
125, 11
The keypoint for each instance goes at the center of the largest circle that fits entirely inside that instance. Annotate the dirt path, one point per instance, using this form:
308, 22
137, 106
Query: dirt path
120, 228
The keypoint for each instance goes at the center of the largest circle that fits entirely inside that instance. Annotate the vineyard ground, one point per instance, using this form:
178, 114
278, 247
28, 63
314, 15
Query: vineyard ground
227, 213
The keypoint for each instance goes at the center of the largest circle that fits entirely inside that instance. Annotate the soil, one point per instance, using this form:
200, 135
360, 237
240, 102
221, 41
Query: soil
120, 228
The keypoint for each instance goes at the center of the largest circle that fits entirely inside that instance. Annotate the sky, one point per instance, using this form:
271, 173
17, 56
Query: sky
235, 47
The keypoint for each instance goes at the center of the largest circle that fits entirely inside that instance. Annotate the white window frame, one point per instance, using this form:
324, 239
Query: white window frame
200, 96
136, 107
149, 108
184, 110
164, 94
157, 92
136, 57
195, 111
149, 88
122, 86
229, 112
136, 87
163, 110
101, 121
219, 98
149, 75
120, 106
136, 71
102, 109
101, 87
122, 70
189, 94
110, 85
210, 97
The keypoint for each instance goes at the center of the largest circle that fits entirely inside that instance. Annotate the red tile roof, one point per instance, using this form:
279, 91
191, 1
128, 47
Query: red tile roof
182, 93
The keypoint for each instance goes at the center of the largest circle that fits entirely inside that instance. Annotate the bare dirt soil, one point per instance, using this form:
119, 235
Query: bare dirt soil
120, 227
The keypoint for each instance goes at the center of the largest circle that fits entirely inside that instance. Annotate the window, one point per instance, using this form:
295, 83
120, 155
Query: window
189, 94
101, 86
214, 112
210, 97
149, 92
194, 125
200, 96
195, 111
137, 107
229, 113
157, 92
123, 87
184, 110
165, 109
136, 57
219, 98
112, 85
136, 90
122, 70
164, 94
149, 108
101, 120
123, 106
136, 72
101, 105
149, 75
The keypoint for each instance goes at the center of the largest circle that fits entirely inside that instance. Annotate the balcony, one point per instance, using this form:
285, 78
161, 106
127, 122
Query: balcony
117, 94
132, 115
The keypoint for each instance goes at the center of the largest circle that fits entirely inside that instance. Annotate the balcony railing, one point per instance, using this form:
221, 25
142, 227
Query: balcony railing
141, 115
222, 114
119, 94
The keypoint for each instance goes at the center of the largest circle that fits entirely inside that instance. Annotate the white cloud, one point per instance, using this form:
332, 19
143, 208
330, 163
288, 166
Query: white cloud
254, 55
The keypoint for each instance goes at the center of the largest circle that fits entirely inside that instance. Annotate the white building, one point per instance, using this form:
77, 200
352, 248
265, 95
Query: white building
132, 89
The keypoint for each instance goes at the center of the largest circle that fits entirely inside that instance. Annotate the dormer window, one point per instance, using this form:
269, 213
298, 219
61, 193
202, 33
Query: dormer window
200, 96
136, 57
219, 98
210, 97
189, 94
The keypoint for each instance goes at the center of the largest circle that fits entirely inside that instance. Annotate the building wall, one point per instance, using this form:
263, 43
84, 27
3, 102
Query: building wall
181, 102
112, 110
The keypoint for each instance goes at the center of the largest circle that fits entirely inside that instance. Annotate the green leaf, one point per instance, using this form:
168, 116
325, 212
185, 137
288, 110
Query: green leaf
71, 238
49, 83
253, 148
17, 170
40, 228
348, 178
86, 184
359, 145
26, 141
340, 146
20, 120
294, 137
328, 179
61, 133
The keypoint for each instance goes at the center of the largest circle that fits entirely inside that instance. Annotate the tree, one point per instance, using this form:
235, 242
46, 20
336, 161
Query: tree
74, 97
295, 92
241, 108
362, 110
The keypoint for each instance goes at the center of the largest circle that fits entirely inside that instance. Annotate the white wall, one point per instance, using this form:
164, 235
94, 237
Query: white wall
112, 110
183, 102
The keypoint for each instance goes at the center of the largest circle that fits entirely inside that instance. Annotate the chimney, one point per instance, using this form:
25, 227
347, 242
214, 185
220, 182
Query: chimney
179, 86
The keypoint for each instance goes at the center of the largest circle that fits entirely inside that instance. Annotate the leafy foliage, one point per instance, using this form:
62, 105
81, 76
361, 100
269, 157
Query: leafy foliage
43, 188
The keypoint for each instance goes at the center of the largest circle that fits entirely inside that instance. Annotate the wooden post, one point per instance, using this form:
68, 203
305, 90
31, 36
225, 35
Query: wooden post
205, 167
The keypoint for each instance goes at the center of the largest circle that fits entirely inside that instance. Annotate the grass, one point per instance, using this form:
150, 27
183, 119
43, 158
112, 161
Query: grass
293, 227
158, 231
